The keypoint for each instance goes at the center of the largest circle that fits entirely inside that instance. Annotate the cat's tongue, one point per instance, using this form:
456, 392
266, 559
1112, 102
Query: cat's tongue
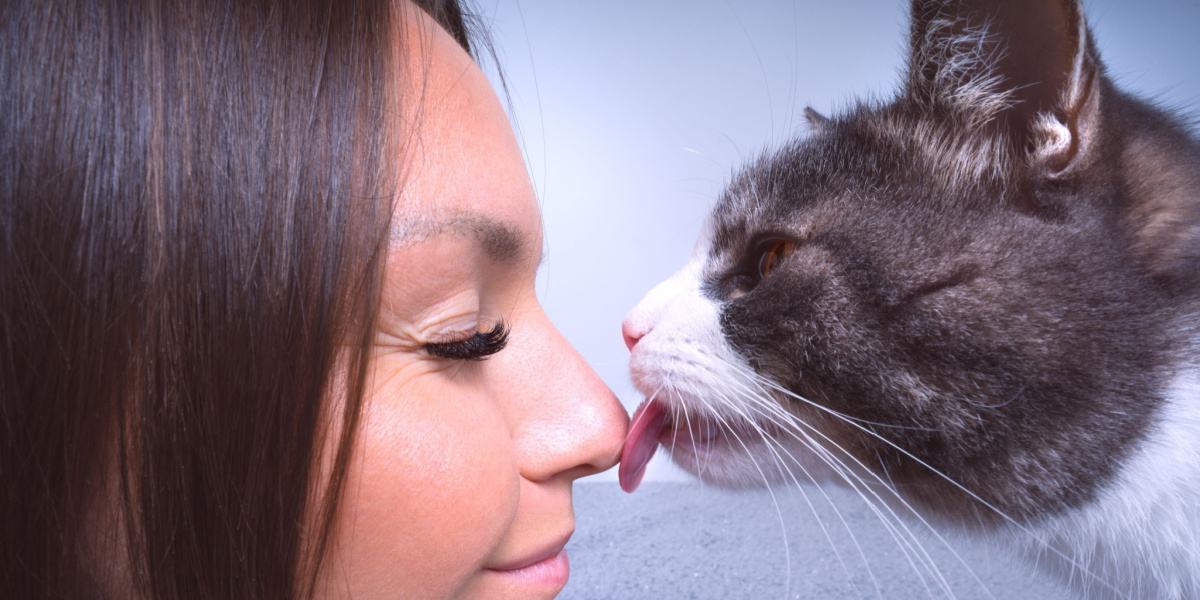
648, 422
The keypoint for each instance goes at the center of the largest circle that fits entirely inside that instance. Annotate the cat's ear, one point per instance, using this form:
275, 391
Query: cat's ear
1025, 68
816, 121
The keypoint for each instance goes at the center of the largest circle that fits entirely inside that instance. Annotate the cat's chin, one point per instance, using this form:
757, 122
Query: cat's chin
744, 460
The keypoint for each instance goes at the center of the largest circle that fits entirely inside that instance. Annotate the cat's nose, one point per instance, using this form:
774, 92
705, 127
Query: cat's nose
632, 333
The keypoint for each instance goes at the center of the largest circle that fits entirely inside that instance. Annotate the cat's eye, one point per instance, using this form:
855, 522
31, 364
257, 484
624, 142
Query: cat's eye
773, 252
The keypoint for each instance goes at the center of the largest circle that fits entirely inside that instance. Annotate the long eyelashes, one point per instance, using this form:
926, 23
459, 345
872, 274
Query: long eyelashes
474, 346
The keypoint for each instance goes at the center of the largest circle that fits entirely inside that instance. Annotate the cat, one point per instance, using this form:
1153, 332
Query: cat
980, 299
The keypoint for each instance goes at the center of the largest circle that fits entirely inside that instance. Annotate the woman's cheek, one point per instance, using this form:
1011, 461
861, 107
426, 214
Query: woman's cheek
434, 487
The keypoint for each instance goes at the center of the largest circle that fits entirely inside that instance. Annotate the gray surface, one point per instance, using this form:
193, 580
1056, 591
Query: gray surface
683, 541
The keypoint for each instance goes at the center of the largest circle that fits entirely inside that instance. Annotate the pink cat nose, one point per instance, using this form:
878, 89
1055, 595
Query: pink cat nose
632, 333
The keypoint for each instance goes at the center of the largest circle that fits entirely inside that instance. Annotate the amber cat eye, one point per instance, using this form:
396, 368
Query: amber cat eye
773, 252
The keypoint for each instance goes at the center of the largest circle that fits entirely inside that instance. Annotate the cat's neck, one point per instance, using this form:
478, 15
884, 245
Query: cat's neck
1142, 533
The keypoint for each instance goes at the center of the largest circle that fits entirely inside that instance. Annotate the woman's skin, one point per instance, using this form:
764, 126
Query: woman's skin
462, 470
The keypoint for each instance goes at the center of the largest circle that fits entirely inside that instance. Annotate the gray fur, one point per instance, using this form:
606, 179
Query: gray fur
1000, 262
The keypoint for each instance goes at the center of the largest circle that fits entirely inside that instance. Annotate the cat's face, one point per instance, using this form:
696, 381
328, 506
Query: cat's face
913, 295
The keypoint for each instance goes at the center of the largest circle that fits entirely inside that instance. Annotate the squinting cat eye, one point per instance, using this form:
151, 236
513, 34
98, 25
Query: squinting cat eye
773, 251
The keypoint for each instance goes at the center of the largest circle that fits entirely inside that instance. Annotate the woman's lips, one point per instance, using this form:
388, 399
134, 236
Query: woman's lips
548, 567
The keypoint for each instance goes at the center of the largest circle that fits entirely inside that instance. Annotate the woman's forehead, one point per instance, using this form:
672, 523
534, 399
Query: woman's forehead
458, 164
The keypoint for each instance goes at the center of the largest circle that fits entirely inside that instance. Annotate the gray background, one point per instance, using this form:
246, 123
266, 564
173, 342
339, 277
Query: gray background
632, 115
678, 540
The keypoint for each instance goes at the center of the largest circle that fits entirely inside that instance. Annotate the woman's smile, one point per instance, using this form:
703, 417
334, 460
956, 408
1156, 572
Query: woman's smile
545, 567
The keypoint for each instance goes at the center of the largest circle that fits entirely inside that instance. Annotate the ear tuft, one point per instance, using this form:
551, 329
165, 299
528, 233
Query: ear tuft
1023, 69
816, 121
953, 64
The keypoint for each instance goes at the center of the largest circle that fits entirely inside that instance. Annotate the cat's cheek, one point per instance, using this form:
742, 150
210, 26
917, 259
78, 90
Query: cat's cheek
725, 425
679, 343
763, 456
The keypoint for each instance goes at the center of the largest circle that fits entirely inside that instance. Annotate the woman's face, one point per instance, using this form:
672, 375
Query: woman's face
460, 485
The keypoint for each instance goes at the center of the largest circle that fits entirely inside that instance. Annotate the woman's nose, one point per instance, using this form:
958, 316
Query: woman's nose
579, 425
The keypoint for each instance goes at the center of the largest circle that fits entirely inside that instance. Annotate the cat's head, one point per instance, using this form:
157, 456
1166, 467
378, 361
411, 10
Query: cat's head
966, 279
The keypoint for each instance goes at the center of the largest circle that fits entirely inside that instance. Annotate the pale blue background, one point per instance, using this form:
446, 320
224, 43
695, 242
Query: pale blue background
632, 115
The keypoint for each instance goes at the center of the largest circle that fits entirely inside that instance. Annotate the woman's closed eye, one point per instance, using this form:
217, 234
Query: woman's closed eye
471, 345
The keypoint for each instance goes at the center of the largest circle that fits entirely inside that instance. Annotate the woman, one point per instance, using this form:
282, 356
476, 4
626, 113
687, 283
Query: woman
267, 320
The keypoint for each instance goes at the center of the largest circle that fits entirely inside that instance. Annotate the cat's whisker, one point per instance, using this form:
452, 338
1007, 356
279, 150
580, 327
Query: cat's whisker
845, 473
775, 448
677, 397
672, 406
787, 553
988, 505
910, 545
828, 456
794, 419
854, 539
691, 435
785, 469
925, 558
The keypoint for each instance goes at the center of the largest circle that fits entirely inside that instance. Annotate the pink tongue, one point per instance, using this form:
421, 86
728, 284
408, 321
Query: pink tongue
648, 422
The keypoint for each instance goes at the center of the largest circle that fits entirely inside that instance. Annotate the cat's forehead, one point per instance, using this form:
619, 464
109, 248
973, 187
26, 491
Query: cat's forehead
751, 201
869, 160
778, 192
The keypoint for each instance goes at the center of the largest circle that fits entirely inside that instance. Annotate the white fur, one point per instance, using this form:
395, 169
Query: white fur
684, 361
1142, 535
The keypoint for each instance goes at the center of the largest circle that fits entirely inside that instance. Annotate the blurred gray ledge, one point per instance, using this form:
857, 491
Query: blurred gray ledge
684, 541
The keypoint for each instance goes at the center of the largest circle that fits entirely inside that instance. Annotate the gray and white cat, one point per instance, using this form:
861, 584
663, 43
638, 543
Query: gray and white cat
981, 299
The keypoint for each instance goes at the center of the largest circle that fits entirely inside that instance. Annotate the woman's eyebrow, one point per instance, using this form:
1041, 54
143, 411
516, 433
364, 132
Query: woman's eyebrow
500, 241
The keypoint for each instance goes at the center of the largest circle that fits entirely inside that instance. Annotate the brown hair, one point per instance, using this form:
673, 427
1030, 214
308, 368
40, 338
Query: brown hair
193, 209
